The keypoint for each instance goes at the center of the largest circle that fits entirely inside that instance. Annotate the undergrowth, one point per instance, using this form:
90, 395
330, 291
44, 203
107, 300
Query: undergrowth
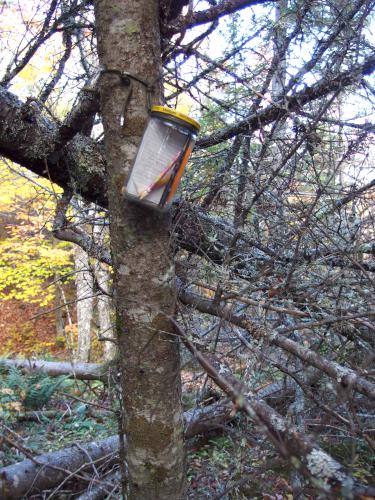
20, 392
39, 413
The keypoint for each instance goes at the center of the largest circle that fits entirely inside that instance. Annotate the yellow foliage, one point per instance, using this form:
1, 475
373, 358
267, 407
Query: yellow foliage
23, 341
13, 406
19, 25
184, 102
29, 256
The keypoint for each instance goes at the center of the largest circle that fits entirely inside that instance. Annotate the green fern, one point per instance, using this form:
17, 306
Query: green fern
14, 379
40, 389
29, 392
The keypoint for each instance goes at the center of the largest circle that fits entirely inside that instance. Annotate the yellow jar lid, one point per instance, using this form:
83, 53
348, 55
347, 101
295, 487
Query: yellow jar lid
176, 114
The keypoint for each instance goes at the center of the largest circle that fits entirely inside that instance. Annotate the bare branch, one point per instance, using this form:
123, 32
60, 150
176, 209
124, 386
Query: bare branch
345, 377
292, 103
307, 457
224, 8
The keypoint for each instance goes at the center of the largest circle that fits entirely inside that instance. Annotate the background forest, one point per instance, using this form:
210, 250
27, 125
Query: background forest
224, 349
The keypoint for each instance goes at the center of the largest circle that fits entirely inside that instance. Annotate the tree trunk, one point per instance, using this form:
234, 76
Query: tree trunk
104, 301
279, 38
104, 312
59, 313
144, 292
85, 302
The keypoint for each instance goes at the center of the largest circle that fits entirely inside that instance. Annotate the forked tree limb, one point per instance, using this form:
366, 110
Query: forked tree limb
78, 165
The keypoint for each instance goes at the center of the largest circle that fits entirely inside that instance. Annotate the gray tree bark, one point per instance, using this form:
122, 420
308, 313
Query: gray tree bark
144, 292
104, 301
81, 371
59, 314
104, 306
85, 303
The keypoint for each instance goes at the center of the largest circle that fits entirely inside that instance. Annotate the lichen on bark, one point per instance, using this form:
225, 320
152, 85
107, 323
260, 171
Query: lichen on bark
144, 293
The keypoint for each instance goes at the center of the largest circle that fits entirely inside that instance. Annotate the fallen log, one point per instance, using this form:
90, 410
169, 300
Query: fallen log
49, 469
81, 371
208, 418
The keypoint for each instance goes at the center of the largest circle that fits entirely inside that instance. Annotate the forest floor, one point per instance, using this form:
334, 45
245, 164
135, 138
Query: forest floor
235, 463
220, 465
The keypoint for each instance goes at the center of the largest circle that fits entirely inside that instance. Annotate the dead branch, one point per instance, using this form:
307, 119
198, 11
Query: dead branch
345, 377
325, 473
289, 104
212, 14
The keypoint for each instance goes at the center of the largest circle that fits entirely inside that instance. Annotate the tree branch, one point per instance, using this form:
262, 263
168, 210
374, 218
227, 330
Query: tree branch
224, 8
345, 377
307, 457
78, 165
292, 103
62, 231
